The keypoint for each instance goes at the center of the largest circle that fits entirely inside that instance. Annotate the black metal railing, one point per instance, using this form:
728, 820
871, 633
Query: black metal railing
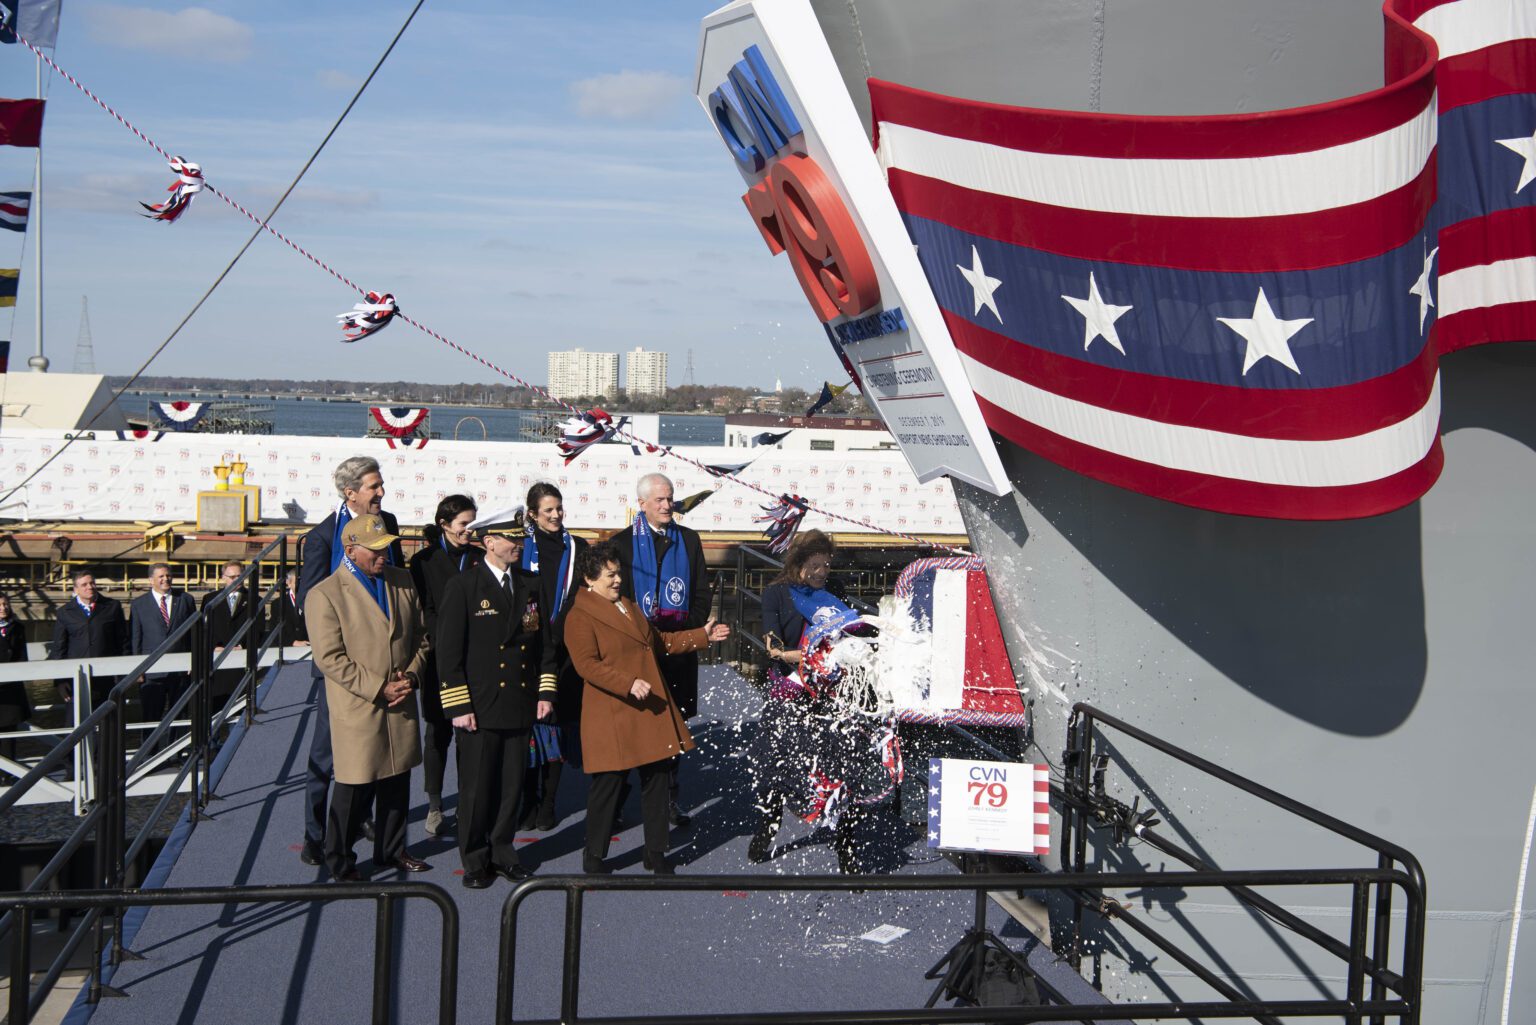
1086, 806
103, 733
25, 998
1352, 1008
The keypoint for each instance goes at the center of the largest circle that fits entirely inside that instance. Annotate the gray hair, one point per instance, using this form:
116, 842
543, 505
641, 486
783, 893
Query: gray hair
350, 473
645, 485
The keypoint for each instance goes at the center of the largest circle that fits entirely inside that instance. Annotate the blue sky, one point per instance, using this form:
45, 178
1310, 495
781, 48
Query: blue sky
523, 176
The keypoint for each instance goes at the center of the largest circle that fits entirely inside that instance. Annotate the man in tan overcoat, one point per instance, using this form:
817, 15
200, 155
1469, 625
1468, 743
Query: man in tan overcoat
369, 638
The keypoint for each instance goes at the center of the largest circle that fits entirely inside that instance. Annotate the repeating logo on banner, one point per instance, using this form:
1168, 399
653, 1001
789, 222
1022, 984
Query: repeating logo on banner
996, 807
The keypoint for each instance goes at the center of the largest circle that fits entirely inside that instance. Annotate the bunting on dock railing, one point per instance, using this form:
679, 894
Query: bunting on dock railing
398, 421
179, 415
189, 183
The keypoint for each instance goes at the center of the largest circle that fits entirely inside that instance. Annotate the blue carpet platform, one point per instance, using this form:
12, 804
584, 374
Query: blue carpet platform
643, 953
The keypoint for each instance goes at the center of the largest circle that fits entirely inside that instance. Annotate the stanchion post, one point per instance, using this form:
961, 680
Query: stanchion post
198, 682
21, 966
253, 634
383, 935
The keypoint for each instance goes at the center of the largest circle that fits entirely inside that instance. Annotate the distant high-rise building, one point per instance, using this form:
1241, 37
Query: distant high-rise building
576, 373
646, 373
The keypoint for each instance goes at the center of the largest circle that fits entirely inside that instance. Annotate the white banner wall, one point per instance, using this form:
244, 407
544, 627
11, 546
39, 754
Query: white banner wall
104, 478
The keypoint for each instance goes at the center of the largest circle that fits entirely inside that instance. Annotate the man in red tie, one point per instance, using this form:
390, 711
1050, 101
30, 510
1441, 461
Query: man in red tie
154, 616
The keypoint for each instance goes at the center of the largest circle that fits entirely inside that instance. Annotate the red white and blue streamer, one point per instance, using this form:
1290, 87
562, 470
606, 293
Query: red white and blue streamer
580, 433
399, 421
783, 520
368, 317
1241, 313
179, 415
189, 182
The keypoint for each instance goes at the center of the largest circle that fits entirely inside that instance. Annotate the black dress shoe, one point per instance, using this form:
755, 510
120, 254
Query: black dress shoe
546, 820
679, 818
479, 880
311, 855
368, 831
529, 820
512, 873
351, 875
659, 864
406, 863
594, 866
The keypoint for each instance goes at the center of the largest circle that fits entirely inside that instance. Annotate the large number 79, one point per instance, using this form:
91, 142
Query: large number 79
800, 213
995, 793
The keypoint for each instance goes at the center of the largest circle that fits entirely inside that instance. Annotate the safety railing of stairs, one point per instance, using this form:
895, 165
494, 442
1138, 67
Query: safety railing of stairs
95, 756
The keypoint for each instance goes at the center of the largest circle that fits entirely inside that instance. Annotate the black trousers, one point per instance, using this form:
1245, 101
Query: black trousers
159, 692
603, 803
437, 734
318, 770
492, 764
390, 798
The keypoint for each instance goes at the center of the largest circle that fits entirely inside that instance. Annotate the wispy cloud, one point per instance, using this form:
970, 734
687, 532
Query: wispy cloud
330, 78
192, 32
628, 95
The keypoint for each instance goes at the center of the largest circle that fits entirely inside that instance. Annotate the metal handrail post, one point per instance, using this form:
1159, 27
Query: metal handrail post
383, 937
21, 968
282, 589
80, 703
253, 611
197, 679
205, 750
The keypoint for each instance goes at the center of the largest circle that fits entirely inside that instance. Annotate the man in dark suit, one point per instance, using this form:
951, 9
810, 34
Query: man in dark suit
226, 615
155, 615
361, 487
289, 613
664, 573
490, 662
89, 625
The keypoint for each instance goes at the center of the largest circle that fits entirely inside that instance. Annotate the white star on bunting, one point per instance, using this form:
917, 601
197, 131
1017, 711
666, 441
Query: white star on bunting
1526, 148
1421, 288
1099, 316
981, 285
1266, 334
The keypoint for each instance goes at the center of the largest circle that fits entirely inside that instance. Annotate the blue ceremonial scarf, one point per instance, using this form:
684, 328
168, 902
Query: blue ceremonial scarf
343, 515
824, 612
375, 585
662, 591
563, 574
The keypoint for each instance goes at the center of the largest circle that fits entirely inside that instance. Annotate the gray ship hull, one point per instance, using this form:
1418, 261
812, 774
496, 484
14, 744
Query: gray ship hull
1376, 669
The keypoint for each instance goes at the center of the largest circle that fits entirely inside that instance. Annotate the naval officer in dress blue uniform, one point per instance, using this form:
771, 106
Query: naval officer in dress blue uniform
491, 660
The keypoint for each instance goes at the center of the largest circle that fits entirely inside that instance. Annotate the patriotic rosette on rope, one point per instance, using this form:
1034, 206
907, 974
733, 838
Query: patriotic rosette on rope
189, 183
139, 434
580, 433
404, 443
1243, 313
180, 415
368, 317
782, 520
398, 421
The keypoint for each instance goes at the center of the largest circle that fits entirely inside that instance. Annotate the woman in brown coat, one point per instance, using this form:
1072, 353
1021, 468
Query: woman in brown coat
628, 718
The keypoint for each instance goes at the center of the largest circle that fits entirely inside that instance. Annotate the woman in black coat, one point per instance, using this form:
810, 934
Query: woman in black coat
801, 731
15, 706
446, 554
552, 553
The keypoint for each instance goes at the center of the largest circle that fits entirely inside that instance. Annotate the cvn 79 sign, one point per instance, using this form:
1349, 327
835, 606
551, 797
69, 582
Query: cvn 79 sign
794, 204
1001, 807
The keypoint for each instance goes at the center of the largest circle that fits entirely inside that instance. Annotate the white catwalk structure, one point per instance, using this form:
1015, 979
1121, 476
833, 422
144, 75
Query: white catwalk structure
1217, 277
